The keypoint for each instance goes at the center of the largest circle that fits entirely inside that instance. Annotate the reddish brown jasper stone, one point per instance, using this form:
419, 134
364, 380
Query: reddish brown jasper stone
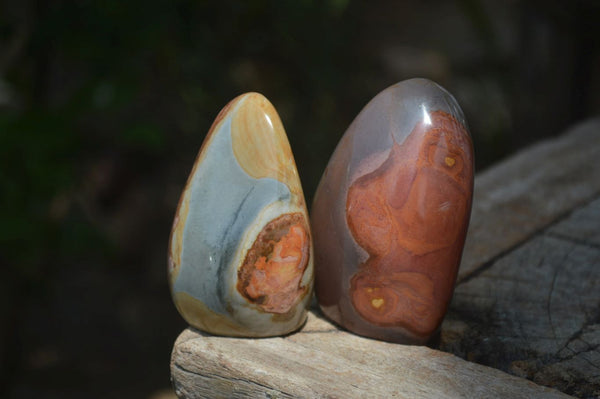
411, 238
387, 269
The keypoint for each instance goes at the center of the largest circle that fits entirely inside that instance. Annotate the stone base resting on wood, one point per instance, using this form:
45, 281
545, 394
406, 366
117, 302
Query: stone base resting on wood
524, 320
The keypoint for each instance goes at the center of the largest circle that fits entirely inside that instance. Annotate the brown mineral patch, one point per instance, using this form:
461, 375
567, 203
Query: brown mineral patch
402, 299
271, 274
411, 216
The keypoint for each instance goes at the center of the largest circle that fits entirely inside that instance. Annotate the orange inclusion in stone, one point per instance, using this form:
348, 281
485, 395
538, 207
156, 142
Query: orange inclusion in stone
411, 215
272, 281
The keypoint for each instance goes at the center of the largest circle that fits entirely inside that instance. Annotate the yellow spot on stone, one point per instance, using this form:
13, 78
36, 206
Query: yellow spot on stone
369, 290
377, 302
450, 161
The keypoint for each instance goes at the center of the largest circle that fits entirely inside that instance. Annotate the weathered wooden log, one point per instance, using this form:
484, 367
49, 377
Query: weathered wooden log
528, 298
526, 303
322, 361
535, 312
525, 193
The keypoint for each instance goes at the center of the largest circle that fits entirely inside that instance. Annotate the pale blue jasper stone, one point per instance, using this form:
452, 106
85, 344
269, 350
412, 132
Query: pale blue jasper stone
225, 206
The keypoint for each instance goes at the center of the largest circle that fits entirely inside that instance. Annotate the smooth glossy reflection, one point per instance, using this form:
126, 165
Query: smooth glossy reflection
240, 256
391, 212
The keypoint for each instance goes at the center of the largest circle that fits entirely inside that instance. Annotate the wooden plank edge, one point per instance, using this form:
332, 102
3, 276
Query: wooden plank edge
525, 193
322, 361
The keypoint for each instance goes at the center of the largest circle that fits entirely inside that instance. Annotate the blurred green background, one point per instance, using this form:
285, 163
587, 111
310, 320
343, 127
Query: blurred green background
104, 104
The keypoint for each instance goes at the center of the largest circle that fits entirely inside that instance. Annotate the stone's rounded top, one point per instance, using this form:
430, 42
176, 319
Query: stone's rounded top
259, 141
250, 100
260, 144
416, 98
424, 92
392, 115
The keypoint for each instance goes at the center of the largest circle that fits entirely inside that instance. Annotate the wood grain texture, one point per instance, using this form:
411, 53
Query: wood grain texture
536, 311
324, 362
527, 303
525, 193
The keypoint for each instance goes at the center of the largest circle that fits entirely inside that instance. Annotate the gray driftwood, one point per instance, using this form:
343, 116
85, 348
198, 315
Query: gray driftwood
528, 297
535, 312
323, 362
527, 303
518, 197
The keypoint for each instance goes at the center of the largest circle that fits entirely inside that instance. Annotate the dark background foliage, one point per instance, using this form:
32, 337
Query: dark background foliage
104, 104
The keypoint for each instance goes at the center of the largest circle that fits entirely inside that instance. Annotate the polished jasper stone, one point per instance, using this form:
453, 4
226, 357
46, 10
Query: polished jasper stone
391, 213
240, 253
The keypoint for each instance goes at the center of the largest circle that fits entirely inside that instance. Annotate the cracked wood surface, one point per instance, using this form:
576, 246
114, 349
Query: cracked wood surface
527, 303
518, 197
535, 312
322, 361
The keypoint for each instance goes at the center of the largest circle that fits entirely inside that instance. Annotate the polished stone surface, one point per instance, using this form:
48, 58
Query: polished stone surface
240, 253
391, 213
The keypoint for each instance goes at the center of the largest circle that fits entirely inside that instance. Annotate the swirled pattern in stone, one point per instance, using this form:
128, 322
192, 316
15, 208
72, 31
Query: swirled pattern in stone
407, 214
